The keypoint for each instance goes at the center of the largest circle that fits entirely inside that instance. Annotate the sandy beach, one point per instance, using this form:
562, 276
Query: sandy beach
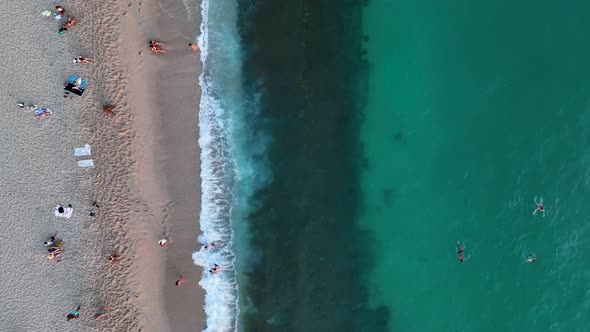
145, 178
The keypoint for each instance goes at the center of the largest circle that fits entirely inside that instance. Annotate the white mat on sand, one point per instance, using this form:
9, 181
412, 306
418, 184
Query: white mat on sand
86, 163
85, 151
68, 211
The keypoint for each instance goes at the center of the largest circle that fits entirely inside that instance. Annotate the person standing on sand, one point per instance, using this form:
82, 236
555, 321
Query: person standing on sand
163, 242
60, 12
179, 281
193, 47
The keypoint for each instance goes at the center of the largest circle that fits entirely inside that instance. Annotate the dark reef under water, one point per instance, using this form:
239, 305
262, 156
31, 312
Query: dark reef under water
305, 60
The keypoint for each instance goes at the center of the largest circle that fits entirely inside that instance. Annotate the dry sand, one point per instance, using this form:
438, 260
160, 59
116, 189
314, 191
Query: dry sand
145, 179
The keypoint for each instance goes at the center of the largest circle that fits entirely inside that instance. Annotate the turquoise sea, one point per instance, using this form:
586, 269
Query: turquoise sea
474, 109
347, 145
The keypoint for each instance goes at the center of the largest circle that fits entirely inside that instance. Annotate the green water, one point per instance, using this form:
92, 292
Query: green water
475, 108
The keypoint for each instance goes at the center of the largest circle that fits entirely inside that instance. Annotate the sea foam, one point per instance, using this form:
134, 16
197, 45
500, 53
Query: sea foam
231, 164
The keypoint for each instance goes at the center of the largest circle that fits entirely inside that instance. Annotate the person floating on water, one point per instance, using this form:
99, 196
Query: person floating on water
210, 246
460, 249
540, 207
531, 258
74, 314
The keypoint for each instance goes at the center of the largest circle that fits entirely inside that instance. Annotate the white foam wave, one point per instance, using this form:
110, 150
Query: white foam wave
217, 172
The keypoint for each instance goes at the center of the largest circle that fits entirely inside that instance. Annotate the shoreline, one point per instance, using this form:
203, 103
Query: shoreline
166, 101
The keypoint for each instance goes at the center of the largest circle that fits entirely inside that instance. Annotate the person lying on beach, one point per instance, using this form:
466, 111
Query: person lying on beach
114, 258
179, 281
54, 252
215, 269
74, 314
460, 249
157, 50
82, 59
539, 207
62, 212
99, 313
51, 240
108, 109
70, 23
154, 46
162, 242
193, 47
156, 43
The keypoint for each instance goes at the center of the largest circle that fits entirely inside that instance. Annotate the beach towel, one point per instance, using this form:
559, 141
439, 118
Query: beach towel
86, 163
85, 151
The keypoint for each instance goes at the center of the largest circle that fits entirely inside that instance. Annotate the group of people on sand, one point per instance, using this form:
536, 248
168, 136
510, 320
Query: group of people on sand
156, 48
61, 14
530, 258
76, 314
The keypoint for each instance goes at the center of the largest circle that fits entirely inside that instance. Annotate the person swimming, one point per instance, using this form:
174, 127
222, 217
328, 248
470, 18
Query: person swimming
540, 207
531, 258
460, 250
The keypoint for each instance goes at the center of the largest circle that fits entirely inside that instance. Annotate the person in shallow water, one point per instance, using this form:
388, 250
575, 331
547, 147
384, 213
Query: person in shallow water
539, 207
460, 249
215, 269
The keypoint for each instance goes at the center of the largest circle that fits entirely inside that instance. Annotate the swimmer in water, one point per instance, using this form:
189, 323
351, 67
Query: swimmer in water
210, 246
531, 258
460, 249
539, 207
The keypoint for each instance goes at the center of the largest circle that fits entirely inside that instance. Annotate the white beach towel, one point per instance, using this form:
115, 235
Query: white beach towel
86, 163
68, 211
85, 151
